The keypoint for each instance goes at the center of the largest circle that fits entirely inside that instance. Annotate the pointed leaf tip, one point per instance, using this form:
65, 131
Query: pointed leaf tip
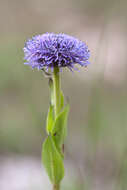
52, 161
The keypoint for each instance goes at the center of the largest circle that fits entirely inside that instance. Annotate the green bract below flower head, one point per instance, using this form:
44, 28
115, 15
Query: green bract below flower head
50, 50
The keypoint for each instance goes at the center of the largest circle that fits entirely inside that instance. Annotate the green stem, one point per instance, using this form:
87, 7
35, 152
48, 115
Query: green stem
56, 95
56, 187
56, 88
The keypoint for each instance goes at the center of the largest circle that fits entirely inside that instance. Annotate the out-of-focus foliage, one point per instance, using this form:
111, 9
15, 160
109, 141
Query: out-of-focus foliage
96, 143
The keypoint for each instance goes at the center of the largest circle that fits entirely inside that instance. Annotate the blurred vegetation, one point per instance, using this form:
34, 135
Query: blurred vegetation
96, 145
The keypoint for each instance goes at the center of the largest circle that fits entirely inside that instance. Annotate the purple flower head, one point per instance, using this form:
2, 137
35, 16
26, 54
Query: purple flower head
49, 50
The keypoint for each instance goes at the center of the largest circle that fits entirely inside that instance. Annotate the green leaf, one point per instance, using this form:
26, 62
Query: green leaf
61, 100
59, 129
52, 161
50, 119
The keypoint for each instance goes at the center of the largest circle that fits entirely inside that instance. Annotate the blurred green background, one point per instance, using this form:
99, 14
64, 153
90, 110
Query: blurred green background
96, 146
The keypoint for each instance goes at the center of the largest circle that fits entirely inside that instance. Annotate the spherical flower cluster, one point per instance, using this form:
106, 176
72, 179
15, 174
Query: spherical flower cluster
50, 50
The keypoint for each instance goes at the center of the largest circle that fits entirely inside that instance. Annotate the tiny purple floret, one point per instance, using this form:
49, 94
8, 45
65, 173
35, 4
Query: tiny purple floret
50, 50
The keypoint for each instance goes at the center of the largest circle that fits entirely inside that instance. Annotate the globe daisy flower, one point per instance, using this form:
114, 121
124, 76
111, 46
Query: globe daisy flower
50, 50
